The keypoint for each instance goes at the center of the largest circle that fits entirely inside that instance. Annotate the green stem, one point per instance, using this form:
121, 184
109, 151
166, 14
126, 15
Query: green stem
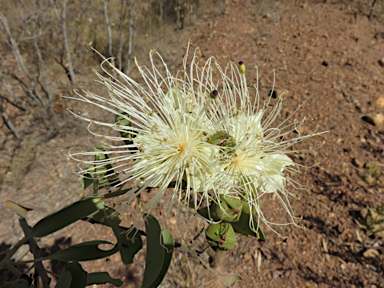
5, 262
30, 261
14, 270
117, 193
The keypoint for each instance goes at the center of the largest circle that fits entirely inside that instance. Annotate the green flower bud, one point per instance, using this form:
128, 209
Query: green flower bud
221, 237
223, 139
241, 67
229, 209
247, 208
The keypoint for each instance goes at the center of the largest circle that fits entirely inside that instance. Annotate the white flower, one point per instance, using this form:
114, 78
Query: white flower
258, 163
178, 132
166, 141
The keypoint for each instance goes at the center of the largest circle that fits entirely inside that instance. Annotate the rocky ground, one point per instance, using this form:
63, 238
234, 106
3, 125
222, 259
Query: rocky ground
328, 53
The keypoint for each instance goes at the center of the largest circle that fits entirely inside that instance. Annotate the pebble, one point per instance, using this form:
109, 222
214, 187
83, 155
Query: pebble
371, 253
374, 118
378, 103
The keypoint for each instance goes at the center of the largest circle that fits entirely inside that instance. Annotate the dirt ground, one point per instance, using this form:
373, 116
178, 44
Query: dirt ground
329, 51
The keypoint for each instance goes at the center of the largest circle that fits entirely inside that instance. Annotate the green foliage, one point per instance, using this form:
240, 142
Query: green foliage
123, 122
221, 236
160, 245
73, 276
101, 174
66, 216
372, 176
86, 251
229, 209
102, 278
373, 219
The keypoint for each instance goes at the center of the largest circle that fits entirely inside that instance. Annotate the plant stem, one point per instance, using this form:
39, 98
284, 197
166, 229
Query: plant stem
5, 262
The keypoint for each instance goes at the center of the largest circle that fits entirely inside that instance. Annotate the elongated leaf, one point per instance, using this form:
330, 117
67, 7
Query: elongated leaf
130, 245
66, 216
73, 276
169, 243
86, 251
160, 246
65, 280
102, 278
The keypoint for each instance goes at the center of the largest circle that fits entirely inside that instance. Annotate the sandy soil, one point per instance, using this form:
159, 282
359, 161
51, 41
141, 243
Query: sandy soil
326, 50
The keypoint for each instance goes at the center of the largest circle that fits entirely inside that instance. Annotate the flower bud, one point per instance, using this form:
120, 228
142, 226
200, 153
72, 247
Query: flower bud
229, 209
241, 67
223, 139
221, 237
214, 94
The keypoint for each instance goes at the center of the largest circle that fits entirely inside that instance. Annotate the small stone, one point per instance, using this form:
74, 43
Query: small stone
374, 119
381, 62
371, 253
378, 102
281, 92
267, 16
357, 163
339, 96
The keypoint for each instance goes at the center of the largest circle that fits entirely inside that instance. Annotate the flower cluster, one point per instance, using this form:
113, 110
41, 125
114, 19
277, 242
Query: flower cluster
200, 132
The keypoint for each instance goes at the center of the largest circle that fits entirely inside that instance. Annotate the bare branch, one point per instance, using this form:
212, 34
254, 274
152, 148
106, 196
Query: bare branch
63, 27
41, 63
8, 122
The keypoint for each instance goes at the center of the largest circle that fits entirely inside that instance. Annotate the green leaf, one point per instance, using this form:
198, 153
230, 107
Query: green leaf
20, 283
102, 170
122, 119
169, 243
102, 278
87, 179
130, 245
73, 276
160, 245
86, 251
66, 216
101, 217
64, 280
242, 227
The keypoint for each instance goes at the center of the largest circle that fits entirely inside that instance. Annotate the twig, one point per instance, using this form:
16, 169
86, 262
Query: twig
4, 263
8, 122
35, 250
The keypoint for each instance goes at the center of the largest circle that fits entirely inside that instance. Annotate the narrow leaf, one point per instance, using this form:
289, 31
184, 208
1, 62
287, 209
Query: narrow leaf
160, 246
86, 251
79, 276
64, 280
73, 276
102, 278
66, 216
